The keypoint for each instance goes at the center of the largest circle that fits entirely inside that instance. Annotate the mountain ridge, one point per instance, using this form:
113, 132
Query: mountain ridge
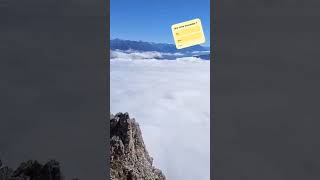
120, 44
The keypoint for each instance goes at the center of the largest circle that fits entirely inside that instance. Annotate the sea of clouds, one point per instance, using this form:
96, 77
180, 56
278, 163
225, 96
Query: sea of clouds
170, 99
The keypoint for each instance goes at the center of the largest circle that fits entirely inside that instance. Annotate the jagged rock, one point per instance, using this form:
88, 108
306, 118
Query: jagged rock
5, 173
129, 158
33, 170
51, 171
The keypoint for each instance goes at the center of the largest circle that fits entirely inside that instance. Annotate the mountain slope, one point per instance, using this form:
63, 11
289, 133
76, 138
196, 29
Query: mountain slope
149, 46
129, 158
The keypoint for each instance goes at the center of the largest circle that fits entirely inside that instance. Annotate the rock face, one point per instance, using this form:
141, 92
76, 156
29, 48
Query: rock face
32, 170
129, 158
5, 173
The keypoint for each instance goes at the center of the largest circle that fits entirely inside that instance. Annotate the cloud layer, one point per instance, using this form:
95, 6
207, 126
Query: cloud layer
171, 101
143, 55
134, 55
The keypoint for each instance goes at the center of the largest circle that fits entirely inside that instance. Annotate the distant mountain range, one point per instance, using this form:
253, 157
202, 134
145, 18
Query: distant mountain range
119, 44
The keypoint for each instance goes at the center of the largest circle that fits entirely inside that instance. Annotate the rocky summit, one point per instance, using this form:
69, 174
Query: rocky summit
130, 159
32, 170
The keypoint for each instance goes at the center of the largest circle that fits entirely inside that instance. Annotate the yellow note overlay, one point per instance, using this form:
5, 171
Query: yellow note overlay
188, 33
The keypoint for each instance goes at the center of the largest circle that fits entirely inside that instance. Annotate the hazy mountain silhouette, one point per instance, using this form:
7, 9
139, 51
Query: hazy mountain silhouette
150, 46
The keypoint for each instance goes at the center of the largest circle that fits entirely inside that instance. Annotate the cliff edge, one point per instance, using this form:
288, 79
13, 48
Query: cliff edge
129, 158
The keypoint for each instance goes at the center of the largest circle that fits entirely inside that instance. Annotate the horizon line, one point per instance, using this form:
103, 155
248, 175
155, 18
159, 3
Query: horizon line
153, 42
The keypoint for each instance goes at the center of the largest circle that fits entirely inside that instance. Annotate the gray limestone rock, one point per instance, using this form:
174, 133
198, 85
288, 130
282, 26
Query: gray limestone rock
129, 158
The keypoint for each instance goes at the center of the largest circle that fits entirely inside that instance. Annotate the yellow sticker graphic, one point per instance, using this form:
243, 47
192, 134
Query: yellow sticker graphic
188, 33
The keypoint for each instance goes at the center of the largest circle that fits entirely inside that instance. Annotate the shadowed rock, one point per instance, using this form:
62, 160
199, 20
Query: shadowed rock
32, 170
5, 173
129, 158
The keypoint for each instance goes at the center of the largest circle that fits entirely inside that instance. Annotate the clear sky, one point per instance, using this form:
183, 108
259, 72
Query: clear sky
151, 20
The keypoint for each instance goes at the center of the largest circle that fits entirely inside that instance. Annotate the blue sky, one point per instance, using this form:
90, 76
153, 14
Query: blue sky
151, 20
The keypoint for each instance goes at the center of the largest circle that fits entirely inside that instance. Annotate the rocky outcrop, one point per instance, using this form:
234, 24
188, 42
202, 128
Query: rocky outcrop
129, 158
32, 170
5, 172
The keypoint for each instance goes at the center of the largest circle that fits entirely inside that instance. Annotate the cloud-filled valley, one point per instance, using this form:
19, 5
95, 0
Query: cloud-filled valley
171, 101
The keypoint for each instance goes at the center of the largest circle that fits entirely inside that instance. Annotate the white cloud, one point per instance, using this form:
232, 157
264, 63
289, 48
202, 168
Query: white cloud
134, 55
171, 101
173, 54
139, 55
197, 52
189, 59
